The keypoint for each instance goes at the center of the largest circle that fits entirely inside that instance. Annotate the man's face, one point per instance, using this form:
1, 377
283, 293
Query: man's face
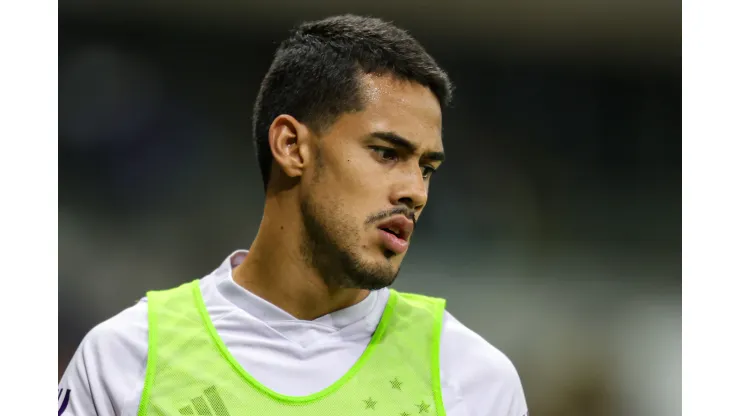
369, 183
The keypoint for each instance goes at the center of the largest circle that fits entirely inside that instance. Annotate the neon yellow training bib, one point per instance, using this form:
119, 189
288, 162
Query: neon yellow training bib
191, 372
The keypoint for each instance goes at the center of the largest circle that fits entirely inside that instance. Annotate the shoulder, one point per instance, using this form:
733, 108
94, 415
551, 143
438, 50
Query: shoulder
467, 347
107, 370
124, 336
482, 376
127, 329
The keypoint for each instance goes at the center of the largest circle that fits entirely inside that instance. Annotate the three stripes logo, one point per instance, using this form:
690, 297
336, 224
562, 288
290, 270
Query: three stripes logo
63, 400
208, 404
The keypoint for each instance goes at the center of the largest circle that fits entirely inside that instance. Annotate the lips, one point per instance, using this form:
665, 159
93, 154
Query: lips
399, 226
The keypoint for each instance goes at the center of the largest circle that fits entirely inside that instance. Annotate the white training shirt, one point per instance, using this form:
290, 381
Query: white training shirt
290, 356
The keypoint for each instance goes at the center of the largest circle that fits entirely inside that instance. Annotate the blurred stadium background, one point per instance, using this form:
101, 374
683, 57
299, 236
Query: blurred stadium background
553, 230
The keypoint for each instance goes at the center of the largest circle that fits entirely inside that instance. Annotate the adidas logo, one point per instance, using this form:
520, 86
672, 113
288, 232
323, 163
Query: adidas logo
208, 404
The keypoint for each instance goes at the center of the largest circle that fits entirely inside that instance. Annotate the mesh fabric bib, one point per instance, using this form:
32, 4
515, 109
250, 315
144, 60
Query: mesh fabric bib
191, 372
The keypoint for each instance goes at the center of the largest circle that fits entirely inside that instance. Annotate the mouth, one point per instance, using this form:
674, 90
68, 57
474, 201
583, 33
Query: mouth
392, 243
398, 226
395, 234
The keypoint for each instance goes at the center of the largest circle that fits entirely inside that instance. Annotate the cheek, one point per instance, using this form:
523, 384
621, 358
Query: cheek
351, 183
343, 168
359, 172
358, 183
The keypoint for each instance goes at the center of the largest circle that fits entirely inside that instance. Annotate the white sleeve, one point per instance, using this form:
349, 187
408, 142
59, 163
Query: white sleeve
482, 377
106, 374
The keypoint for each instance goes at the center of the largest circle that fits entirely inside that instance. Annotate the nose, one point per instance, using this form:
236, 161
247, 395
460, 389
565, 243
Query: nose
411, 190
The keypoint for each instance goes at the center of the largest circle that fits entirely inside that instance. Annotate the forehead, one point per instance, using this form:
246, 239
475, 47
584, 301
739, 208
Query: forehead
406, 108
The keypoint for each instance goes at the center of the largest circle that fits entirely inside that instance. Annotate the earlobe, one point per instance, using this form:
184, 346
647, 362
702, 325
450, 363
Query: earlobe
287, 137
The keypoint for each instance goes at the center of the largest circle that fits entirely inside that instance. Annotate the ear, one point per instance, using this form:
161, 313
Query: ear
290, 145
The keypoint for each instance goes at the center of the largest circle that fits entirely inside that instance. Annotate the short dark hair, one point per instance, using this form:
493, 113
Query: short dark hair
315, 75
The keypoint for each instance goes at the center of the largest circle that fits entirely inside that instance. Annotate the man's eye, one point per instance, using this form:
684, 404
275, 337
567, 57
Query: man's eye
428, 171
386, 153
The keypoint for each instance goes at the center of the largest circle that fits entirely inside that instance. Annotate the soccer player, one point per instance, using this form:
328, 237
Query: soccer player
348, 133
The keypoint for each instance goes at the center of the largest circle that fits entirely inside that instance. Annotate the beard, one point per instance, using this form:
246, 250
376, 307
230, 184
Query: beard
327, 247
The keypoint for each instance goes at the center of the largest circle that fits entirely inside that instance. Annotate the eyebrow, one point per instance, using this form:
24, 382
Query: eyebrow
399, 141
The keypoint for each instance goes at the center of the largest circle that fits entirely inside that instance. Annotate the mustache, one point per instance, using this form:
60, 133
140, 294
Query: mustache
395, 211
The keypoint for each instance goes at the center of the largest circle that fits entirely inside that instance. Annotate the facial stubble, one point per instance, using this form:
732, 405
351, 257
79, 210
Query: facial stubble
331, 247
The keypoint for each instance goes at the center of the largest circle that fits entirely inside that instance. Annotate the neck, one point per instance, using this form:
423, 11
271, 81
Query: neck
276, 271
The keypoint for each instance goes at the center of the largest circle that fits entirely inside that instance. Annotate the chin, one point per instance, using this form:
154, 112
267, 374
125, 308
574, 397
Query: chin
376, 272
378, 283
